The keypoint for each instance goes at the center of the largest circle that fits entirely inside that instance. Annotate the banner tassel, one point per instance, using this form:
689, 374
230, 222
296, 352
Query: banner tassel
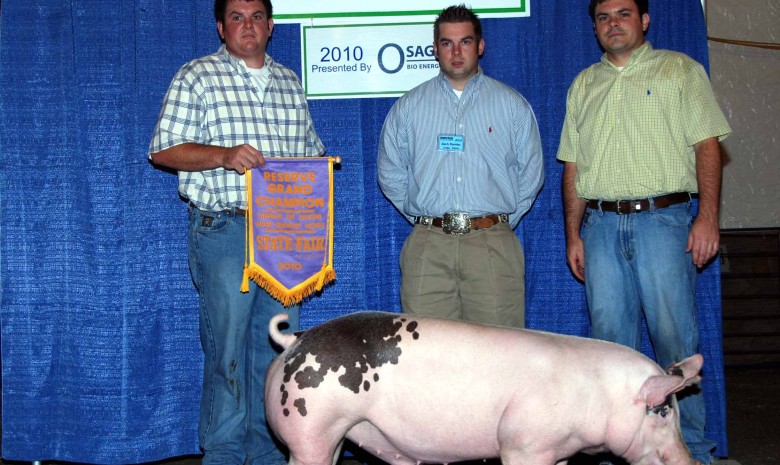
245, 280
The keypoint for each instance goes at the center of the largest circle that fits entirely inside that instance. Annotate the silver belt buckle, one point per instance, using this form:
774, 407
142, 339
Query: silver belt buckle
425, 220
456, 223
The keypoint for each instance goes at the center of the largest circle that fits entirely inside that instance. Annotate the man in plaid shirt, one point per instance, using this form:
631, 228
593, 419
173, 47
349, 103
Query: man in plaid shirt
221, 115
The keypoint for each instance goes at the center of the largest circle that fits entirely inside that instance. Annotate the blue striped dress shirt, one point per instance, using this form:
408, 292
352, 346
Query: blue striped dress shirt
499, 169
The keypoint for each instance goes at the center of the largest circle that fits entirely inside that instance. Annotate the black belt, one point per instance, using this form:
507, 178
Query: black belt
235, 211
623, 207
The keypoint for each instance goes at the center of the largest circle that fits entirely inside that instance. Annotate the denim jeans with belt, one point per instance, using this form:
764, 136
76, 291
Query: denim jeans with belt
636, 263
234, 336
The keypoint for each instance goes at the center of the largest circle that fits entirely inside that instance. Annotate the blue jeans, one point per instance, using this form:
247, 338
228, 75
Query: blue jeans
637, 264
234, 336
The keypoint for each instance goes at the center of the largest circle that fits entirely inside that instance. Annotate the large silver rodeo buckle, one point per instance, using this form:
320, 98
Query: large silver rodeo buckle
456, 223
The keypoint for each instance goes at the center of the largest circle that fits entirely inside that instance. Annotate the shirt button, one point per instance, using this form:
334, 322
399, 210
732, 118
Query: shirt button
458, 178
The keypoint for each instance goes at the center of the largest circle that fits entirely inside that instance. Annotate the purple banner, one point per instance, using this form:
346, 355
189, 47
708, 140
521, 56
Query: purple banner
289, 237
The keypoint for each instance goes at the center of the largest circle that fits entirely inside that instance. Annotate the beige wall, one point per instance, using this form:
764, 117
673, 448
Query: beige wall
746, 81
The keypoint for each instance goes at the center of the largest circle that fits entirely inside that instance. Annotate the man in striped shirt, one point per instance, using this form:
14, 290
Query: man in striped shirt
639, 140
461, 158
222, 115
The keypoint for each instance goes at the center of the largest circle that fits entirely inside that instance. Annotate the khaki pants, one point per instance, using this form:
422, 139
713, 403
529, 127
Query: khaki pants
479, 276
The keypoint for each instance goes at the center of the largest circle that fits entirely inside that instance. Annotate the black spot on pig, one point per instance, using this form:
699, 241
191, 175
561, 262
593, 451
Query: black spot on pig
300, 404
411, 328
310, 377
358, 343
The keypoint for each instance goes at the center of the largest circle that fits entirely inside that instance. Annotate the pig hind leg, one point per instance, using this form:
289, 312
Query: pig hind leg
301, 456
310, 445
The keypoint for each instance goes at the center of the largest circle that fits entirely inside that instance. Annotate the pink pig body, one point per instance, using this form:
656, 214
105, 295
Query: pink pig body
416, 390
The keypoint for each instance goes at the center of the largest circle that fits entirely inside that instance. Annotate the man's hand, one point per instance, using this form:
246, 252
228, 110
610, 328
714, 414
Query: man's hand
242, 158
575, 257
703, 241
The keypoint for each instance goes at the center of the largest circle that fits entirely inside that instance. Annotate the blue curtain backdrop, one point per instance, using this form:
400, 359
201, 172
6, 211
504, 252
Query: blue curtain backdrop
100, 352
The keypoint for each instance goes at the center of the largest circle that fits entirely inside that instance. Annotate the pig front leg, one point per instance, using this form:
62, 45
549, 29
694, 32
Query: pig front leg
369, 438
519, 457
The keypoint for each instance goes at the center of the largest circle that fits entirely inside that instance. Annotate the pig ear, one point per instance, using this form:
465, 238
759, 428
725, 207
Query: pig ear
657, 388
688, 369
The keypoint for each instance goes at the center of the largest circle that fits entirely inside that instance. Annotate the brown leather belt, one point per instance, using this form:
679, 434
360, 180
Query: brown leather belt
623, 207
475, 222
235, 211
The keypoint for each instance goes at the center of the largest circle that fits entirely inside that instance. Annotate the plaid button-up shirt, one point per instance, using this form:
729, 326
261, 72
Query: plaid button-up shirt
213, 100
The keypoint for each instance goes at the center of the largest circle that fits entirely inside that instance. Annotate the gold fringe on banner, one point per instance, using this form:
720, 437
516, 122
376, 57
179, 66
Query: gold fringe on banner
266, 280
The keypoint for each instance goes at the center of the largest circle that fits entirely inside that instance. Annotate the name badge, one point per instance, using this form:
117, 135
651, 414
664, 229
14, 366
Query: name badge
451, 143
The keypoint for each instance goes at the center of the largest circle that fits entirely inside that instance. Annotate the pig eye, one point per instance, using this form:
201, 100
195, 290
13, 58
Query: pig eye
662, 410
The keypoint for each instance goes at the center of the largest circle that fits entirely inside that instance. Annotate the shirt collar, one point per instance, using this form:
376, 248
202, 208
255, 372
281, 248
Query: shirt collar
239, 63
636, 55
472, 83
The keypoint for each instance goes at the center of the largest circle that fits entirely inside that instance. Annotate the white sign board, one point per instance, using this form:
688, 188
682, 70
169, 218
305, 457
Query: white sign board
376, 60
359, 49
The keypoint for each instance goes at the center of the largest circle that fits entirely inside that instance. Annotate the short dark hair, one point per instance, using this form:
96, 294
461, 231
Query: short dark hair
640, 4
221, 5
457, 14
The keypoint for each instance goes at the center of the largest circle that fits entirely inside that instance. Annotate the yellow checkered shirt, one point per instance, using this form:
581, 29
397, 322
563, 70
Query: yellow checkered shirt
631, 132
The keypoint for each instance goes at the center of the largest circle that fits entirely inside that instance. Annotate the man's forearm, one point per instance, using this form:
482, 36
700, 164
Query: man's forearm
573, 206
708, 176
190, 157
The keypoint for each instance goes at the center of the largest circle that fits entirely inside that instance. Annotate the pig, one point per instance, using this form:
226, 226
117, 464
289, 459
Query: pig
413, 390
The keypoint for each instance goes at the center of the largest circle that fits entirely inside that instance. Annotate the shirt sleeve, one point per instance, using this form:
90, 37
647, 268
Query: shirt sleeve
530, 163
314, 146
570, 138
182, 118
703, 118
393, 161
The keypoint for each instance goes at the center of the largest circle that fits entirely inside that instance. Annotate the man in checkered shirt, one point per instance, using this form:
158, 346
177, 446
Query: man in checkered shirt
221, 115
639, 142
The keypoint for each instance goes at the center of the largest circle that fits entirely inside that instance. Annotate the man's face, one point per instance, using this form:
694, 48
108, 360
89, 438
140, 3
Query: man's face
458, 52
246, 31
619, 28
